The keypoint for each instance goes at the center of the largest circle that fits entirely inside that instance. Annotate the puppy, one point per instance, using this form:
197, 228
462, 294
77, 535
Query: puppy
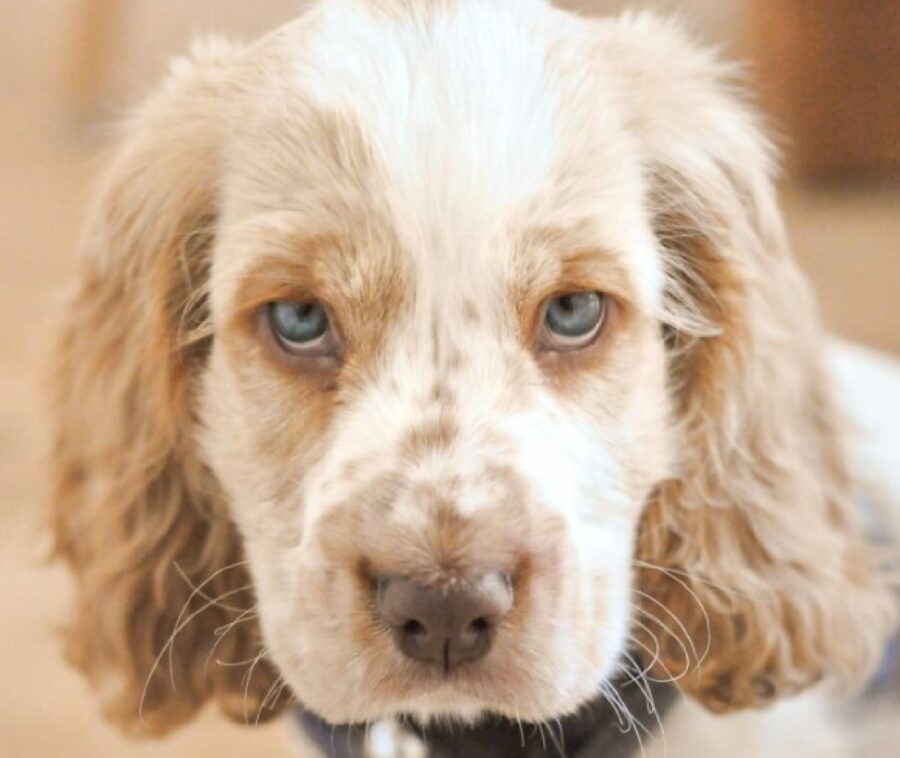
445, 359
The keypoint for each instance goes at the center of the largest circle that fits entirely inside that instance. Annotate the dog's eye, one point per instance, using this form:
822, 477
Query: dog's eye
573, 321
302, 328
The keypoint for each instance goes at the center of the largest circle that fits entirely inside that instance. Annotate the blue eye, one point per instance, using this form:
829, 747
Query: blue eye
573, 320
299, 326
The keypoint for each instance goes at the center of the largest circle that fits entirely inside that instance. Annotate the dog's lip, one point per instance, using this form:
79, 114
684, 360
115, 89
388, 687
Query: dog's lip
466, 689
435, 677
443, 698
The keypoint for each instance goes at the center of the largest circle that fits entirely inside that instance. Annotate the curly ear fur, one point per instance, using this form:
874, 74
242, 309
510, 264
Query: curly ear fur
753, 545
136, 514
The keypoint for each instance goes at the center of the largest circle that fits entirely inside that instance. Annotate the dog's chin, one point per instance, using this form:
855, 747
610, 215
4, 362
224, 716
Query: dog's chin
458, 709
450, 708
461, 701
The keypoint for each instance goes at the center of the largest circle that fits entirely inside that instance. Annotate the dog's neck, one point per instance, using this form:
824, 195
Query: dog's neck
598, 730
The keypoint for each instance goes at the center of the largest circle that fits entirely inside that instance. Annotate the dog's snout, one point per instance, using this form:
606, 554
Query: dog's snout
444, 626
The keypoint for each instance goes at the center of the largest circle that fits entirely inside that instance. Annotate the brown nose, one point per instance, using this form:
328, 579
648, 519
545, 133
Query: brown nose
446, 627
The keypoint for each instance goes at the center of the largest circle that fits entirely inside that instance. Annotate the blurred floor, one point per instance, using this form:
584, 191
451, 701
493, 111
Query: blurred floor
848, 241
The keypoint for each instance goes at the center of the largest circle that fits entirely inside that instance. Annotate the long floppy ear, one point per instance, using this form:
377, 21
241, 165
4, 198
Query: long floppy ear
753, 545
158, 565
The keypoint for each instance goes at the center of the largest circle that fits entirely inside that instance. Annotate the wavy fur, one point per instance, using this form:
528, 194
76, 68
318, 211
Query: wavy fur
752, 523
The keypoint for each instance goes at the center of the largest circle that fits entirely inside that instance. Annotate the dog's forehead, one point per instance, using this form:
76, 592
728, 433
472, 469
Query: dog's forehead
455, 106
464, 126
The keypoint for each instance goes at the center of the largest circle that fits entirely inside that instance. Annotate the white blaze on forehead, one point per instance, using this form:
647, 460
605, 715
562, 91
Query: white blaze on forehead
468, 119
454, 102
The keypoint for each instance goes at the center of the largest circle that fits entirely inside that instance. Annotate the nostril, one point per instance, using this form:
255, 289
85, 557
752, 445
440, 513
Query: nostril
480, 625
474, 632
413, 628
475, 629
414, 639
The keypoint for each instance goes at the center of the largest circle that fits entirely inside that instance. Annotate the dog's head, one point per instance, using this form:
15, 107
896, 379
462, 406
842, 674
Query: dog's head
444, 357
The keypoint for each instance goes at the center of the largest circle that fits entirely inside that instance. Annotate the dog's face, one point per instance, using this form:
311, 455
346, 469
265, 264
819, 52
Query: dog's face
467, 321
481, 386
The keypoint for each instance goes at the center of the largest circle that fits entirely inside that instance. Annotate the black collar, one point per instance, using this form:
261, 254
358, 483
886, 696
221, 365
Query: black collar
595, 731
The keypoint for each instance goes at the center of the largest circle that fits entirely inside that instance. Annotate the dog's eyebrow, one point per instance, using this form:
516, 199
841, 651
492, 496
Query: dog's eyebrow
598, 268
282, 261
287, 270
570, 259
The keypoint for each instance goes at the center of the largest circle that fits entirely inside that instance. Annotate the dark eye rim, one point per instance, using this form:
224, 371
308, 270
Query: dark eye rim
325, 349
551, 342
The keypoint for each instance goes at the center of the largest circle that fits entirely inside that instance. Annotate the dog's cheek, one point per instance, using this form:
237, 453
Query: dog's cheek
577, 478
260, 434
260, 458
623, 417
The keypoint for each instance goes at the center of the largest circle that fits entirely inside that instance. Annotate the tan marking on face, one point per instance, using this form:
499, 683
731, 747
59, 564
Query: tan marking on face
442, 395
432, 436
441, 538
446, 356
455, 362
470, 313
555, 261
361, 281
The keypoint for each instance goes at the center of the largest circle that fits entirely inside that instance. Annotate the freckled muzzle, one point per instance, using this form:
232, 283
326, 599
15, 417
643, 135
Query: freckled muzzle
447, 582
456, 590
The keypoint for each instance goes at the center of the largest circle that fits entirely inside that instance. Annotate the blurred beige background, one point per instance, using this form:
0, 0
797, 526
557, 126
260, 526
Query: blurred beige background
64, 73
